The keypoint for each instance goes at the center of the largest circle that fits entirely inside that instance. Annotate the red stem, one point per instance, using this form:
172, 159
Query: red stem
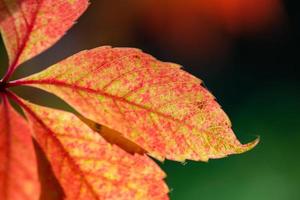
16, 83
15, 98
8, 73
14, 65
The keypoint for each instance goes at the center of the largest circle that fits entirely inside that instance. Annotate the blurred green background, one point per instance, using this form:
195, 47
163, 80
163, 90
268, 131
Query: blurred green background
247, 55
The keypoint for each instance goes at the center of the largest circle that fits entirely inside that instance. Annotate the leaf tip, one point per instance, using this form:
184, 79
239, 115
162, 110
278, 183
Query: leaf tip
249, 146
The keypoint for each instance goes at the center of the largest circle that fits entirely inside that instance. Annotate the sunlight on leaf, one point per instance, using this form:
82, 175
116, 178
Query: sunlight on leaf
29, 27
129, 103
154, 104
113, 137
50, 187
88, 167
18, 169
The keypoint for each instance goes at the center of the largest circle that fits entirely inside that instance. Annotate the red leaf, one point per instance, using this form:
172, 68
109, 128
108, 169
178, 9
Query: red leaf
114, 137
86, 166
50, 187
29, 27
18, 169
155, 104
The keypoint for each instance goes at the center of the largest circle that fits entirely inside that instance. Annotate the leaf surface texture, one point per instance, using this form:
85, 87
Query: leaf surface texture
18, 168
155, 104
86, 166
29, 27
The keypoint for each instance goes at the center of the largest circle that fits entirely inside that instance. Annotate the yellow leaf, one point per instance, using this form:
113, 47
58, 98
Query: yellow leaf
29, 27
155, 104
86, 166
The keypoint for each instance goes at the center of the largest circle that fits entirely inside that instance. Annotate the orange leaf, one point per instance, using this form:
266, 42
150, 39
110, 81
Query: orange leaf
29, 27
50, 187
113, 137
155, 104
88, 167
18, 169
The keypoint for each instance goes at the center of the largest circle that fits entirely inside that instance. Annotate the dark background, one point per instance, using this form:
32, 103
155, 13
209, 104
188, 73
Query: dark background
252, 69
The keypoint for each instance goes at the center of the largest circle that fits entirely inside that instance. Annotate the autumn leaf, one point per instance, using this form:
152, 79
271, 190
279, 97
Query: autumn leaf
86, 165
18, 170
113, 137
129, 104
29, 27
154, 104
50, 187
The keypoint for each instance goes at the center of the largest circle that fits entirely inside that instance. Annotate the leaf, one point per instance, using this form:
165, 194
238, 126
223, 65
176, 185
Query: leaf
29, 27
18, 169
50, 187
113, 137
88, 167
154, 104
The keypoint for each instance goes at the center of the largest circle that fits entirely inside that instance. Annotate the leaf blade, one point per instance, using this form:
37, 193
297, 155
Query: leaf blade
18, 169
50, 187
155, 104
114, 137
29, 27
87, 166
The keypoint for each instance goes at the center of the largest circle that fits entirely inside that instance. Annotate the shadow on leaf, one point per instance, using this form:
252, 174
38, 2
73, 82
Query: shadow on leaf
50, 187
113, 137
